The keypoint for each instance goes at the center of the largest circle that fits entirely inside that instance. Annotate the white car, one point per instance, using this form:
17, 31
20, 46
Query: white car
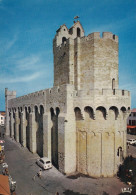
131, 141
44, 163
4, 165
2, 141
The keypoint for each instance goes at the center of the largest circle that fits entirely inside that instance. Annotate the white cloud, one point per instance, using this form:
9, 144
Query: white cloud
24, 79
28, 63
7, 44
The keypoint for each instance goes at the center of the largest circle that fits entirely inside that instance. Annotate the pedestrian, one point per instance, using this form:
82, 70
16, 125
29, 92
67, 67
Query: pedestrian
39, 174
3, 135
128, 145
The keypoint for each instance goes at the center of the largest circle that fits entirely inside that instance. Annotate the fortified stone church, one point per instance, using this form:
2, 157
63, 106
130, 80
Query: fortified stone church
80, 123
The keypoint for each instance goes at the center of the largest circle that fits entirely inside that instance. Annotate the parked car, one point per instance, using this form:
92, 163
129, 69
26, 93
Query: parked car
44, 163
2, 141
4, 165
131, 141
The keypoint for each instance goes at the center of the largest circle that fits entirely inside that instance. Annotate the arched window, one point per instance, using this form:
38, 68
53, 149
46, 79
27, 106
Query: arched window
78, 114
113, 83
116, 111
103, 110
57, 111
36, 113
78, 32
52, 113
63, 39
123, 109
41, 109
120, 154
90, 111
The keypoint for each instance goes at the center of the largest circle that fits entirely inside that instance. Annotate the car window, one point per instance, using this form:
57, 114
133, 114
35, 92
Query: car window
48, 162
41, 161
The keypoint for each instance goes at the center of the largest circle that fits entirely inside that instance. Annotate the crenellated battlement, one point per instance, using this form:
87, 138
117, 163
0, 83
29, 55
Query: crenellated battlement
103, 92
10, 93
78, 58
105, 35
91, 36
36, 94
63, 34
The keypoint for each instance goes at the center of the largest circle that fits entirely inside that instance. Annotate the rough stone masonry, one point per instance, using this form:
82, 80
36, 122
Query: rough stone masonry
80, 123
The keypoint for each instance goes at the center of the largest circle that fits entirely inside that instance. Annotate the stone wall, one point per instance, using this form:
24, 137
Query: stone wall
80, 123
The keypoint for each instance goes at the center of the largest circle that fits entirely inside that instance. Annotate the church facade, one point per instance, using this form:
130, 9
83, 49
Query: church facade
79, 123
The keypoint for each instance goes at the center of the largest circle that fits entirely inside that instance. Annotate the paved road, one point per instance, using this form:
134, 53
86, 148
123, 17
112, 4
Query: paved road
22, 168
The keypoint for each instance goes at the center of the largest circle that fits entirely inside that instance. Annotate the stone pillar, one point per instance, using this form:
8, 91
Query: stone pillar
125, 135
7, 122
11, 125
47, 123
32, 127
67, 143
61, 143
17, 121
23, 128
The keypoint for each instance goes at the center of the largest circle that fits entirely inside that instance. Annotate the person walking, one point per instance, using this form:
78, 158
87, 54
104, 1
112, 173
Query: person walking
39, 174
128, 145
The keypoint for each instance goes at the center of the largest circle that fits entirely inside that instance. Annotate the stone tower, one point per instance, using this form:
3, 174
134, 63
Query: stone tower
79, 123
90, 64
86, 62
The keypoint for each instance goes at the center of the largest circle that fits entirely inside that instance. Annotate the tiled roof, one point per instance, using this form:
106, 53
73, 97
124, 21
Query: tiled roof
133, 110
2, 113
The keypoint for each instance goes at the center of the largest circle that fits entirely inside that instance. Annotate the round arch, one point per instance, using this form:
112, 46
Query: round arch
78, 113
116, 111
123, 109
90, 111
103, 110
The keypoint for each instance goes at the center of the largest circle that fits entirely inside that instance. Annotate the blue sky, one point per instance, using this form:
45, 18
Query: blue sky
27, 28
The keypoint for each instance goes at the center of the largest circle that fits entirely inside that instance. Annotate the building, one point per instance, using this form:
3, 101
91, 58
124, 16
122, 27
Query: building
131, 122
80, 123
2, 118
